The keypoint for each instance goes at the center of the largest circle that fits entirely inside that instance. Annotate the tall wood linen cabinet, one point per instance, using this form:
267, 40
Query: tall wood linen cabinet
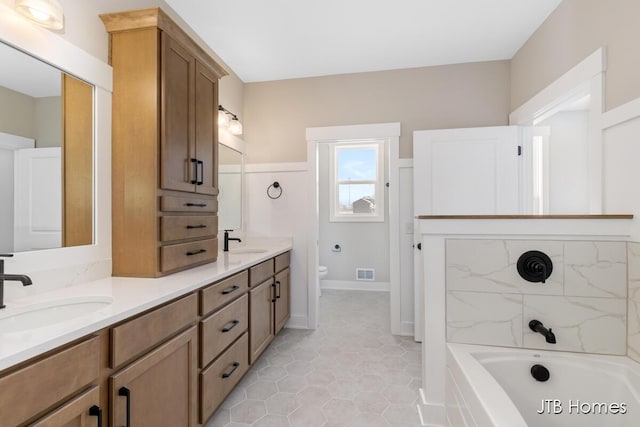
164, 146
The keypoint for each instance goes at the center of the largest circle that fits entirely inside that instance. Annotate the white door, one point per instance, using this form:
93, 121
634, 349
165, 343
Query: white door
38, 199
473, 171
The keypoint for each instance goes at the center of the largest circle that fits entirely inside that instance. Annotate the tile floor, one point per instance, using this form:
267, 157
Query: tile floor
350, 372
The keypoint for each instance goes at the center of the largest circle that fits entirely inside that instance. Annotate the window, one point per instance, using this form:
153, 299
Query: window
357, 181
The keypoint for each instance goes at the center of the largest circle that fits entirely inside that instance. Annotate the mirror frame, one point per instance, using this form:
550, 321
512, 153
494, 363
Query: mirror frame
42, 44
231, 141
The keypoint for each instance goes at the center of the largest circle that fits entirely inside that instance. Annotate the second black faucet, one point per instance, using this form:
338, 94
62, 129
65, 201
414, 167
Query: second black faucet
227, 238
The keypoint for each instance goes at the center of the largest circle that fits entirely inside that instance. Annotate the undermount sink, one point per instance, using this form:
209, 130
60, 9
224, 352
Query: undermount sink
48, 313
247, 250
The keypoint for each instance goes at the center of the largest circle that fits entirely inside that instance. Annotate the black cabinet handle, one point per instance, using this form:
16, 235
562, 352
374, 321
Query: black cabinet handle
201, 251
229, 372
96, 411
192, 227
125, 392
233, 324
273, 285
230, 290
194, 162
196, 205
278, 289
200, 165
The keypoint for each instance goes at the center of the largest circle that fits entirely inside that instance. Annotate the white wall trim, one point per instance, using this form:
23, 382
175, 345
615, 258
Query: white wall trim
390, 132
275, 167
621, 114
354, 285
407, 329
297, 322
405, 163
18, 31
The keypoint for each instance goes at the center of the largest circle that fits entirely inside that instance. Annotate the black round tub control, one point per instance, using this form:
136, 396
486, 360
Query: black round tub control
535, 266
540, 373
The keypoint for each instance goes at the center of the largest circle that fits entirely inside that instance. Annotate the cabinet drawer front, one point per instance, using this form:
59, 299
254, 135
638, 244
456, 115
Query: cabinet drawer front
187, 204
173, 257
217, 381
40, 385
283, 261
142, 333
74, 411
222, 328
187, 227
222, 292
260, 272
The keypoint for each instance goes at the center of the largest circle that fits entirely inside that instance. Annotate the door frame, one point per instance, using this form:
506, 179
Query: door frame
390, 132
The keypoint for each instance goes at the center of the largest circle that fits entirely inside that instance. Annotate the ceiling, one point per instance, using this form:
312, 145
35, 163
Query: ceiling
282, 39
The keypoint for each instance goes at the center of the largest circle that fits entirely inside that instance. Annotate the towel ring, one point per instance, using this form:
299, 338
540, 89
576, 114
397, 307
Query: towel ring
276, 185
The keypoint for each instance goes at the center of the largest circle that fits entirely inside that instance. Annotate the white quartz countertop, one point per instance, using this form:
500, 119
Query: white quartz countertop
127, 297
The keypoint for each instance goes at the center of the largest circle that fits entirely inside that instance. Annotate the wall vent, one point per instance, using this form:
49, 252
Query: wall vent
366, 274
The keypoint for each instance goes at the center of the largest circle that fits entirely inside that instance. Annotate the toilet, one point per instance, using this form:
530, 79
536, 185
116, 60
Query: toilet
323, 271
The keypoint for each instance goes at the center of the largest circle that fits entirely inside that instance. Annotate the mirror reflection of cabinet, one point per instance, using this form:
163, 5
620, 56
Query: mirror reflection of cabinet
164, 162
46, 155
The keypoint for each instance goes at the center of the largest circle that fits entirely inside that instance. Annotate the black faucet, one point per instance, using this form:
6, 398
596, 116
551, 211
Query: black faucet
13, 277
537, 326
227, 238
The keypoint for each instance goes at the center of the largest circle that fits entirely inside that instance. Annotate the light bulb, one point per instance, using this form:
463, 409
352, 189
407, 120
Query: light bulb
235, 127
223, 119
38, 14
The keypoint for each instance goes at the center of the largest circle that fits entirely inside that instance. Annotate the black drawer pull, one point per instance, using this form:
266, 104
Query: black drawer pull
191, 227
200, 251
196, 205
233, 324
273, 285
278, 289
230, 290
125, 392
200, 180
96, 411
228, 373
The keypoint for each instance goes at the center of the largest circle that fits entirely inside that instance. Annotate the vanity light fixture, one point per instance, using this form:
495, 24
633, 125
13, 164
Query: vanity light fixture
47, 13
226, 119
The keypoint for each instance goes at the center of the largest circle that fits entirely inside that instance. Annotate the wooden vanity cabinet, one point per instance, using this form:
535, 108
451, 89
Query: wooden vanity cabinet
164, 146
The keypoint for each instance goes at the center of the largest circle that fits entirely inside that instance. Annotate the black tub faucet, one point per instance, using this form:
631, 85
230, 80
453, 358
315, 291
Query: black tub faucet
227, 238
13, 277
537, 326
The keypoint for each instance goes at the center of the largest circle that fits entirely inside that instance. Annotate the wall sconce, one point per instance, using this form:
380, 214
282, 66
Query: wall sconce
226, 119
47, 13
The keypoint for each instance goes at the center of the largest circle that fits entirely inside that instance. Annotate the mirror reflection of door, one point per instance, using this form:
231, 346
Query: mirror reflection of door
46, 155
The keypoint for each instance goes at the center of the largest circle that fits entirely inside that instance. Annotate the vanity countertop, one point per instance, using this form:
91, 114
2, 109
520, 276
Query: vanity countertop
130, 297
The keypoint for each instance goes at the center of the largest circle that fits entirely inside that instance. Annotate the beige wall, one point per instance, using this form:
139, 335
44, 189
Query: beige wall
572, 32
16, 113
464, 95
48, 121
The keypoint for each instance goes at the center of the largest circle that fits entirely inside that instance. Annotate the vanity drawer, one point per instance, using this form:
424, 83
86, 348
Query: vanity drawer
183, 255
187, 204
177, 227
136, 336
261, 272
217, 381
42, 384
219, 294
283, 261
222, 328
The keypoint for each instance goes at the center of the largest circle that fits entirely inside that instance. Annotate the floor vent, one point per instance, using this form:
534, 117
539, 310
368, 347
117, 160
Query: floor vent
366, 274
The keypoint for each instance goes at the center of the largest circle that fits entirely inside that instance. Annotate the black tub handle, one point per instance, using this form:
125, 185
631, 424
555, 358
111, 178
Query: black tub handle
231, 371
96, 411
126, 393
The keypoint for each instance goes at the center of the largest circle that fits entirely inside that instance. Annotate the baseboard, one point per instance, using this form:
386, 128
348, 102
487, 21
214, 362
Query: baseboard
354, 285
432, 415
407, 329
297, 322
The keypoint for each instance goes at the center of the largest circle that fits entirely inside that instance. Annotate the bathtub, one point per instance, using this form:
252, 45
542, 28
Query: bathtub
494, 386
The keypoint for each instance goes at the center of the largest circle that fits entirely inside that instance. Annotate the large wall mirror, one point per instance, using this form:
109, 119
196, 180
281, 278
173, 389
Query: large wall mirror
46, 155
230, 185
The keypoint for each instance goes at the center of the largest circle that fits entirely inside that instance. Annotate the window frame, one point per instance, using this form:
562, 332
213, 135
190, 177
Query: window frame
379, 182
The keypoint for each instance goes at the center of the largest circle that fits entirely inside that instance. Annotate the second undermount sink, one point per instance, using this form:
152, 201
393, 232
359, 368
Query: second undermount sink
49, 313
245, 250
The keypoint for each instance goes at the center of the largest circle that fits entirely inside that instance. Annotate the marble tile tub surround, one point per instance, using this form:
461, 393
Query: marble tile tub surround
584, 300
633, 326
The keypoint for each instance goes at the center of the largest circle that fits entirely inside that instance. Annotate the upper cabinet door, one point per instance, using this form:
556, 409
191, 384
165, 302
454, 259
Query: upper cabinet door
206, 113
178, 163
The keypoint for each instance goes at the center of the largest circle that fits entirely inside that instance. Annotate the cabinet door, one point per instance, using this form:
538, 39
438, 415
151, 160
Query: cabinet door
261, 300
158, 389
282, 308
206, 119
83, 411
177, 138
